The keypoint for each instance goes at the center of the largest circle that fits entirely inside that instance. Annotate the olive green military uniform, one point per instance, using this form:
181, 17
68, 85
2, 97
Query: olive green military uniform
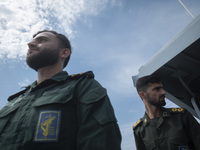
62, 113
176, 129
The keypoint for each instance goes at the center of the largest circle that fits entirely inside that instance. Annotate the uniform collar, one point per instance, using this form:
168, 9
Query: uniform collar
60, 76
163, 113
57, 77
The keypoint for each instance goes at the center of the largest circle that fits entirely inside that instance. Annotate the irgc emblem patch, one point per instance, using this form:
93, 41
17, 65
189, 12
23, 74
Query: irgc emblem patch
48, 126
183, 148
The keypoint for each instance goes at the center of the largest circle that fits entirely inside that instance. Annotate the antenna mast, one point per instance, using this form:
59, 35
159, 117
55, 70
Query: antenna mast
187, 9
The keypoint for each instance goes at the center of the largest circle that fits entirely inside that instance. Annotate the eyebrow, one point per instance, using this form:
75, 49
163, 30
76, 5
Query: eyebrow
158, 87
40, 37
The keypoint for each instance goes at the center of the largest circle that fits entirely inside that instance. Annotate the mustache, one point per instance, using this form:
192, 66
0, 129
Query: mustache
162, 96
33, 49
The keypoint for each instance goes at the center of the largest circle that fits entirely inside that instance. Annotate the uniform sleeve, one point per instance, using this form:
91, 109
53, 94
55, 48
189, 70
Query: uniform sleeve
193, 129
98, 128
138, 141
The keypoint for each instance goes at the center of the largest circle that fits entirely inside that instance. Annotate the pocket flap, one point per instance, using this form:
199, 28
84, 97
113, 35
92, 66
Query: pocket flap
6, 114
93, 95
52, 98
9, 108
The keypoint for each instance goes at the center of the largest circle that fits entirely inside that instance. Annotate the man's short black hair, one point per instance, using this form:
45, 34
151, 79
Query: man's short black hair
143, 83
64, 42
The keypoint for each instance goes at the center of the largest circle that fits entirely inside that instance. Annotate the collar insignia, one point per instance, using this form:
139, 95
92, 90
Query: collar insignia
165, 114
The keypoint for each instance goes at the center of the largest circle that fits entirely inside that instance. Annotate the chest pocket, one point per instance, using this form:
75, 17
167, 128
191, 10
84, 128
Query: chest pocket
55, 96
7, 112
150, 145
179, 142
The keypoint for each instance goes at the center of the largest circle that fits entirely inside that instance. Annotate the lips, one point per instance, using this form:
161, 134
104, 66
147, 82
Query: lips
162, 97
32, 50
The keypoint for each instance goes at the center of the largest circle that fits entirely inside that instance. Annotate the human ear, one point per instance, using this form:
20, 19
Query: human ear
141, 94
65, 52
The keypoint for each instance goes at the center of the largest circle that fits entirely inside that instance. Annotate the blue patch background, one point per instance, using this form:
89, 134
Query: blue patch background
183, 148
48, 121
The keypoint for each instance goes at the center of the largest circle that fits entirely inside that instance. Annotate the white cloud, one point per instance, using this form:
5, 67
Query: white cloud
24, 83
19, 20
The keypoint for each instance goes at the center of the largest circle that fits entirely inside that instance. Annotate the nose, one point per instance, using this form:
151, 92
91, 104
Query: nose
31, 45
164, 92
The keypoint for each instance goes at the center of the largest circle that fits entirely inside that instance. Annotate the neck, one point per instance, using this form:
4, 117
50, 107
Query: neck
152, 111
47, 72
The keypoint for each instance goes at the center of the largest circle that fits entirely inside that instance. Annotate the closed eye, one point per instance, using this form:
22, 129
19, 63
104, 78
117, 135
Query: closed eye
41, 39
158, 88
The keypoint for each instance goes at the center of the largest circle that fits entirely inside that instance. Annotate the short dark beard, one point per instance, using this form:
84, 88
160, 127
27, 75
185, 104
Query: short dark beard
43, 58
154, 103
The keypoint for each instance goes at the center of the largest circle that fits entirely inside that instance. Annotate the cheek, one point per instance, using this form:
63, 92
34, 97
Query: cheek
154, 96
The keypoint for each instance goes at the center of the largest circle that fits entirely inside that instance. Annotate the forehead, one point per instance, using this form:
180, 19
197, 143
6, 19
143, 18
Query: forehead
48, 35
154, 85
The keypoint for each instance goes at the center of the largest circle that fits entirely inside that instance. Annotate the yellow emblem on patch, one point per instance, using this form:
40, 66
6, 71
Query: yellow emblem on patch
183, 147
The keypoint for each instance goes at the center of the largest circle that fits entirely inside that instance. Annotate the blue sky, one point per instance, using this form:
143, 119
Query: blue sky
113, 38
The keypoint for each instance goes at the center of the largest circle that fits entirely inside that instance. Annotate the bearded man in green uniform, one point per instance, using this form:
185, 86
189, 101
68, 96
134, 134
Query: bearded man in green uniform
58, 111
161, 128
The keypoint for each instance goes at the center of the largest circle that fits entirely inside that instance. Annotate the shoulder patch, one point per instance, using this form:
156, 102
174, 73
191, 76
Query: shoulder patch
88, 74
177, 110
137, 123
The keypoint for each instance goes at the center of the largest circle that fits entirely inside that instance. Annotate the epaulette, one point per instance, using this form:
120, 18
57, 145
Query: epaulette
137, 123
176, 110
88, 74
